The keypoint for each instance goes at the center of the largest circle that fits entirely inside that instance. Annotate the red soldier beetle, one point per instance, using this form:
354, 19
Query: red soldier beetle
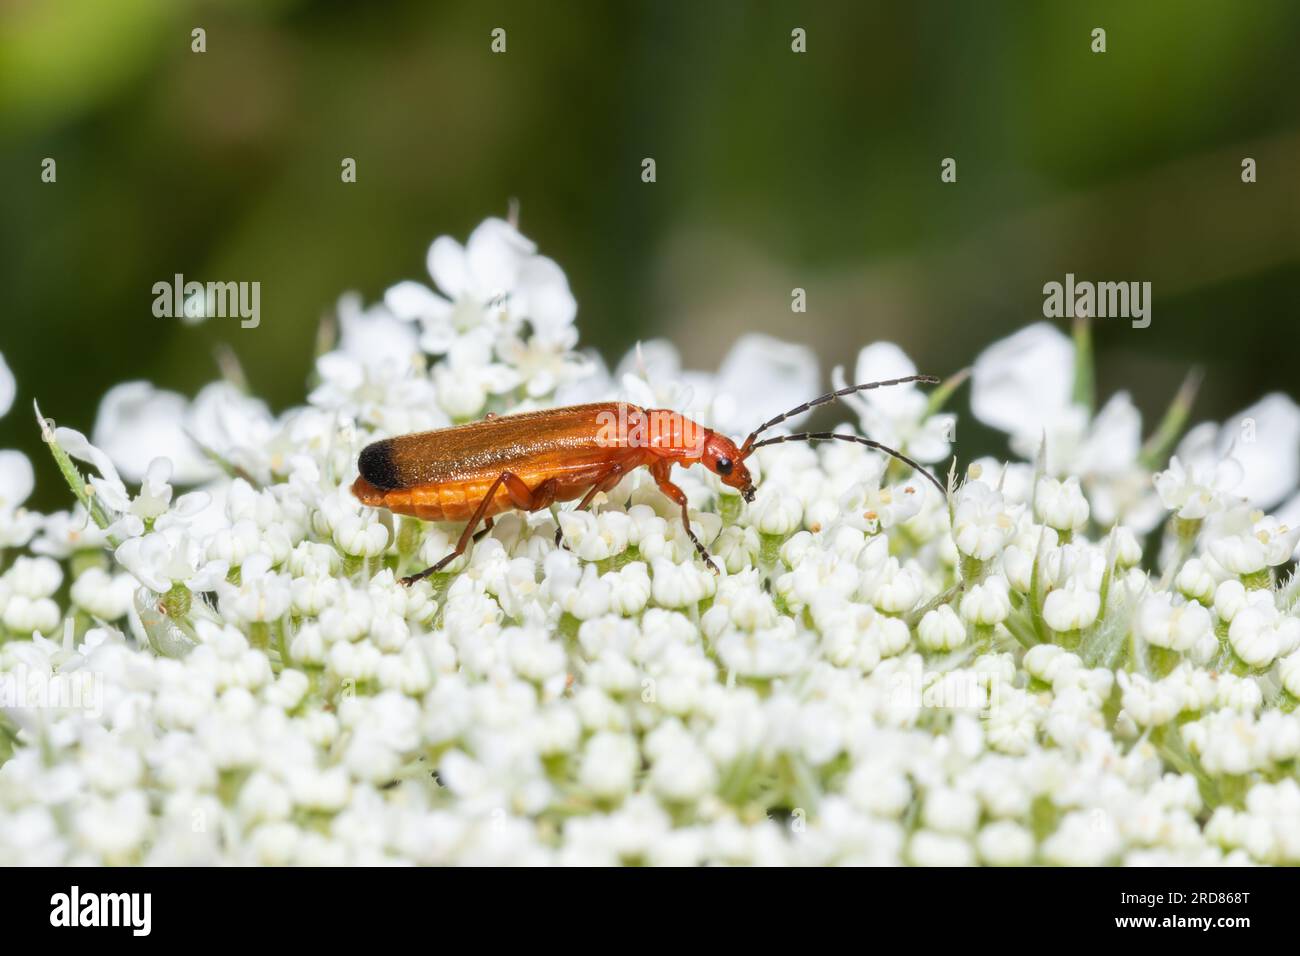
531, 460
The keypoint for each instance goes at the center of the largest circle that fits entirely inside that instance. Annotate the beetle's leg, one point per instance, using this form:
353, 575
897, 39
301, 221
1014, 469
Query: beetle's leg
605, 482
487, 529
540, 497
520, 497
660, 473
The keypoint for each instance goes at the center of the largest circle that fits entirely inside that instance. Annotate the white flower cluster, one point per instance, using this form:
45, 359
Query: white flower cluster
1088, 657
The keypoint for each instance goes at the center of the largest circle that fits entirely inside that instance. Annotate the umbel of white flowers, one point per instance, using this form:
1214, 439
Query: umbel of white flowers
1085, 655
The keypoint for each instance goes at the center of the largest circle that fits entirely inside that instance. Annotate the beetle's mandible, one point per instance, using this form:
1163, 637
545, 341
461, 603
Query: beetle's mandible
529, 461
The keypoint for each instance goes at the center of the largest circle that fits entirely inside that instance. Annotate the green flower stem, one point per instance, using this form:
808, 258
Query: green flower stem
408, 536
1020, 627
1230, 790
76, 482
770, 549
259, 634
1169, 744
1070, 640
177, 602
282, 643
1155, 452
1259, 580
972, 570
1161, 660
939, 397
1084, 379
1186, 531
83, 561
1035, 601
913, 617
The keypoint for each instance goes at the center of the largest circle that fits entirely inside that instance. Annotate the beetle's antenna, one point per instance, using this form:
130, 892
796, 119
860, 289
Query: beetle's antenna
749, 445
839, 436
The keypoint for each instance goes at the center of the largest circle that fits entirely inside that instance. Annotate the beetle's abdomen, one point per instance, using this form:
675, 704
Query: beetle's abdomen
450, 501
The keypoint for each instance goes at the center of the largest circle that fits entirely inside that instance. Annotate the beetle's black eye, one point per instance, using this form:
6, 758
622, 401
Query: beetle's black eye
724, 466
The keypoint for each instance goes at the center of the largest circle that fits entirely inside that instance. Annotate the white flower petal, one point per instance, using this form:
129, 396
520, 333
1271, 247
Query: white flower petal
376, 338
416, 301
1020, 384
879, 362
495, 254
543, 297
1115, 439
1265, 439
449, 267
79, 447
8, 387
137, 423
763, 377
652, 360
17, 480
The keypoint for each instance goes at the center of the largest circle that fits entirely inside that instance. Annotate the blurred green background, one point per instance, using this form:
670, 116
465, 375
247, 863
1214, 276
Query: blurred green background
775, 170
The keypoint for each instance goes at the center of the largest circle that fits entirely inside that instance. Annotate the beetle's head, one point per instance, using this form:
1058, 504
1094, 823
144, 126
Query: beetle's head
723, 458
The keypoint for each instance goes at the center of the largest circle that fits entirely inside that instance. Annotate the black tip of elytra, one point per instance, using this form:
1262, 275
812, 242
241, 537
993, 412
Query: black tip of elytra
377, 467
